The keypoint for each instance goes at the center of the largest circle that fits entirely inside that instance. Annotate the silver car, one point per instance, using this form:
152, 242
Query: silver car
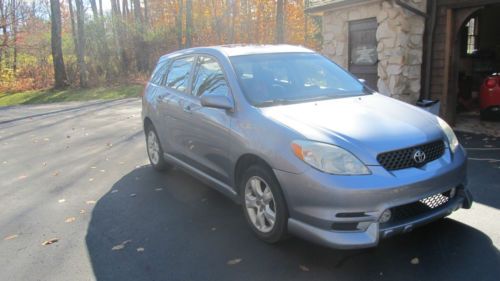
301, 144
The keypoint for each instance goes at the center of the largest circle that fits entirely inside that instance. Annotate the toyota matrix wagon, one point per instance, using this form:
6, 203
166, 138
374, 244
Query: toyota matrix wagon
301, 144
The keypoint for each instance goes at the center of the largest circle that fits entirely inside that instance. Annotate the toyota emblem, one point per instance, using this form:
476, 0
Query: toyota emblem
419, 156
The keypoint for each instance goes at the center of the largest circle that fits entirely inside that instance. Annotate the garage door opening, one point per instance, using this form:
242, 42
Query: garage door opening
477, 57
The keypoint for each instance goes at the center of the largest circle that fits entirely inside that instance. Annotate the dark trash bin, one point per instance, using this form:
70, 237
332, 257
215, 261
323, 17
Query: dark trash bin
431, 106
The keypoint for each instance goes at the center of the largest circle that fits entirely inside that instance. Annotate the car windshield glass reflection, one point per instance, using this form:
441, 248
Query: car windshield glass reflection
272, 79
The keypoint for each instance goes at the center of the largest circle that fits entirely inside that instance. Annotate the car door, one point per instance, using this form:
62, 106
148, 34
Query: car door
175, 87
206, 130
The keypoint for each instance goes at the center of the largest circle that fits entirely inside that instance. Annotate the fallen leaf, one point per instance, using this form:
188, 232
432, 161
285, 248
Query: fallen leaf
61, 200
46, 139
234, 261
415, 261
44, 164
68, 136
114, 191
82, 211
50, 241
118, 247
109, 144
70, 219
140, 249
10, 237
93, 167
213, 229
21, 177
55, 174
159, 189
304, 268
121, 245
102, 171
133, 195
90, 202
91, 179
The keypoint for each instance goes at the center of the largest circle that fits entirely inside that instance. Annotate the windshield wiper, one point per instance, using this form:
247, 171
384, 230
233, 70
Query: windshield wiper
275, 102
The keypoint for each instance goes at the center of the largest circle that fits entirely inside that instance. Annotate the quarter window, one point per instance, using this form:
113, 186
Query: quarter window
178, 77
159, 73
209, 78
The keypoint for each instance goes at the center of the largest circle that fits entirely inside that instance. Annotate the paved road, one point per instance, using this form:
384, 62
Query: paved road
78, 172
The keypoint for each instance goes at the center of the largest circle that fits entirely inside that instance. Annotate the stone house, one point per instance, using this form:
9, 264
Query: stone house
411, 49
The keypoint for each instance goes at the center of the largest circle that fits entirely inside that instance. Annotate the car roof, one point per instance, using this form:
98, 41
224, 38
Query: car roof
241, 50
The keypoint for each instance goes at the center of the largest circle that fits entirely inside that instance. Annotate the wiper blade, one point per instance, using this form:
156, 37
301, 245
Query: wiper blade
274, 102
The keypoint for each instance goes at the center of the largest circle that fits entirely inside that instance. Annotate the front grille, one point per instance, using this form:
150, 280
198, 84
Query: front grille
411, 210
404, 158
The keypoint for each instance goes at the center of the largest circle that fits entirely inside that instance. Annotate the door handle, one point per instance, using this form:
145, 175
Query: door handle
187, 108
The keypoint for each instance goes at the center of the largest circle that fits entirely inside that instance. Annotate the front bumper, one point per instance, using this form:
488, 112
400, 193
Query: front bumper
318, 202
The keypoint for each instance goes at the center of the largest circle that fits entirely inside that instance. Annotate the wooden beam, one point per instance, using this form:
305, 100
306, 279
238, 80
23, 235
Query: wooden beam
446, 95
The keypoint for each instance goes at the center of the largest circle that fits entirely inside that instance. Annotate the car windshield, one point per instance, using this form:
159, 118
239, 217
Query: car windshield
272, 79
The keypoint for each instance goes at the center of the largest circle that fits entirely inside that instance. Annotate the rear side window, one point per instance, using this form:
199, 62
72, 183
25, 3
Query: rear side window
160, 73
178, 77
209, 78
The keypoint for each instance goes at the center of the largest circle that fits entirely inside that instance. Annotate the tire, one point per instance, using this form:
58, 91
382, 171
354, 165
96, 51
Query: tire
154, 150
257, 212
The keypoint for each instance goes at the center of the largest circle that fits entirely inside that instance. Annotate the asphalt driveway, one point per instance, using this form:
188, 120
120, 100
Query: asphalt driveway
77, 175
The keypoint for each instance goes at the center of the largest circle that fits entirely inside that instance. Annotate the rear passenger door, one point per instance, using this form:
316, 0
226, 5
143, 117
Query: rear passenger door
171, 101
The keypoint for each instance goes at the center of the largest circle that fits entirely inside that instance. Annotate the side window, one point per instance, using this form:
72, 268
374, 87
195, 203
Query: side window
178, 77
159, 73
209, 78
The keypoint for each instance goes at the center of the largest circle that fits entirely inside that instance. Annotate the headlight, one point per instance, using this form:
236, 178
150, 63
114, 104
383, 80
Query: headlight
450, 135
329, 158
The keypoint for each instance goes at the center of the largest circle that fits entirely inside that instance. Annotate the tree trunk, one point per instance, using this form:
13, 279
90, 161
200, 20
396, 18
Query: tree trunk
80, 23
14, 36
73, 25
3, 26
100, 9
93, 6
179, 21
119, 34
189, 22
280, 22
146, 12
57, 55
125, 8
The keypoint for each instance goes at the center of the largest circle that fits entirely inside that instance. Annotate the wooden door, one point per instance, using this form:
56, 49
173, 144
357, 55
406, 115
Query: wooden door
363, 57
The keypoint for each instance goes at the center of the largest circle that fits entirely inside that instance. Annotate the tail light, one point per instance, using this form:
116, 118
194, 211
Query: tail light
491, 83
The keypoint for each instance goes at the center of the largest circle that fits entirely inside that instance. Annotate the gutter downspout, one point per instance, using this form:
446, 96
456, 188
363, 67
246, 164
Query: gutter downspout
411, 8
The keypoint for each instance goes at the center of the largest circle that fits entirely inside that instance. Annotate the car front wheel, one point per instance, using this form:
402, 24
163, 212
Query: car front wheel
263, 204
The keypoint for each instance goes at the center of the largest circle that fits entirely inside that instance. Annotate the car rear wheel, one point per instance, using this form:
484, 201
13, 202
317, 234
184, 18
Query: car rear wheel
263, 204
155, 153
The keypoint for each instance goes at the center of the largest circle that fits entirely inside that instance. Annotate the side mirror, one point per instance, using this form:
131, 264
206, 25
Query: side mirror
217, 101
363, 81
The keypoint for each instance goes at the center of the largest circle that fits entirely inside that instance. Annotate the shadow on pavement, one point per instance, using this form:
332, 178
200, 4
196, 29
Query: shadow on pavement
171, 227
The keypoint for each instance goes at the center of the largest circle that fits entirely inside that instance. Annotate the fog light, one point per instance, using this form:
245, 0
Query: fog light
453, 192
386, 216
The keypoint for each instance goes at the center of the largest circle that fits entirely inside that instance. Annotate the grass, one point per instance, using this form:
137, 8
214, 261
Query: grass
70, 94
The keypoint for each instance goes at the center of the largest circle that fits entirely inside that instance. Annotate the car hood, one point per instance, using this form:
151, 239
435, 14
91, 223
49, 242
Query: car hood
365, 125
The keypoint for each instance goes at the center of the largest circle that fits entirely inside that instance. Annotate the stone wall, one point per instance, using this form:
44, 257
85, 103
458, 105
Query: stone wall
399, 36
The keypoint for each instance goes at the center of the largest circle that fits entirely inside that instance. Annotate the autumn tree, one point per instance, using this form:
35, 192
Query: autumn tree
60, 77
